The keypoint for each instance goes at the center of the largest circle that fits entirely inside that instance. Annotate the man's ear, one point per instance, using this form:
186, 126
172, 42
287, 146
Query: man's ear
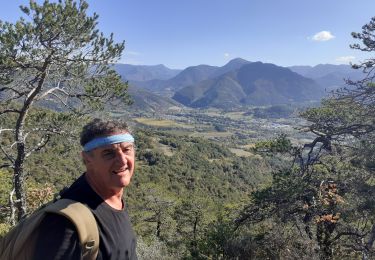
85, 157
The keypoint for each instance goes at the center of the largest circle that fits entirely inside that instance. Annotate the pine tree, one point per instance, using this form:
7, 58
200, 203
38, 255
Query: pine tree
53, 57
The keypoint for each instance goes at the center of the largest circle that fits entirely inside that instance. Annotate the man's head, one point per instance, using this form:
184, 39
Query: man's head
108, 154
99, 128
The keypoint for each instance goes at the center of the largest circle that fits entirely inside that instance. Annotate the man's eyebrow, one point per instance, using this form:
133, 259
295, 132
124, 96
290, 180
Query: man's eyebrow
114, 147
109, 149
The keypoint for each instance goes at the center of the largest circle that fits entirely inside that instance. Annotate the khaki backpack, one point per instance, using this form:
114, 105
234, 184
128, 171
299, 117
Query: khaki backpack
19, 243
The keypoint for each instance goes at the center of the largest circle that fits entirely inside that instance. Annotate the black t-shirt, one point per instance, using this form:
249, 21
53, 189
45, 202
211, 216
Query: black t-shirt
58, 238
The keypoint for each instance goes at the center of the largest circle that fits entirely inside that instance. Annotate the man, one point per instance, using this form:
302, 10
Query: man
109, 156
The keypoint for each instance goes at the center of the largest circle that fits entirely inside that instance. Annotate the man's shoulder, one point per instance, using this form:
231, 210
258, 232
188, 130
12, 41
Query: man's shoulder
55, 222
82, 192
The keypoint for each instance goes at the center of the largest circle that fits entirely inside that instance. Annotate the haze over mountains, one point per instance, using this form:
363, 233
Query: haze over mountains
144, 72
238, 83
329, 76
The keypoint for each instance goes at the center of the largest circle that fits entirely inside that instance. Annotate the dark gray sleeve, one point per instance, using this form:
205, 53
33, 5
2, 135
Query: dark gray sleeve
57, 239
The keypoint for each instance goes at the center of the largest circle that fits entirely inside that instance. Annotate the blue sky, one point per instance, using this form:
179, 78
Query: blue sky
182, 33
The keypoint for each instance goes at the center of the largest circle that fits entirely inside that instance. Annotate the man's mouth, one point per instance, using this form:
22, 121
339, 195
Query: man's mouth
119, 171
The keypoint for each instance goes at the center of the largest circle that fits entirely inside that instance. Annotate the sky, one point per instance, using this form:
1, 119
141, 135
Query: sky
183, 33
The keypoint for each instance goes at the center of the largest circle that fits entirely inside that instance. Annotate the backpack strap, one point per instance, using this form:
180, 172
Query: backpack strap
84, 221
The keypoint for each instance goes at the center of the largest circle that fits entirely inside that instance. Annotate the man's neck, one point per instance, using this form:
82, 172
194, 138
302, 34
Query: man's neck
112, 197
115, 202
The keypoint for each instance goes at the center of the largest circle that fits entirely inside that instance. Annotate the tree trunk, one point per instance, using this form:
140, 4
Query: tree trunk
19, 181
158, 227
195, 227
12, 209
19, 175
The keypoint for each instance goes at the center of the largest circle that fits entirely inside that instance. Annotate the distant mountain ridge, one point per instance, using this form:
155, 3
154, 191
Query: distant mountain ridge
237, 83
145, 72
322, 70
188, 76
253, 84
329, 76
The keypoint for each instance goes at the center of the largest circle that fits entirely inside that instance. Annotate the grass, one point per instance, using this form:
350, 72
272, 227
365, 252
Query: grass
248, 146
236, 115
240, 152
211, 134
165, 149
160, 123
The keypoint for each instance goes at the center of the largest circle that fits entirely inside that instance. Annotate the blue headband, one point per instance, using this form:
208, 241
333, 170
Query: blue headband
106, 140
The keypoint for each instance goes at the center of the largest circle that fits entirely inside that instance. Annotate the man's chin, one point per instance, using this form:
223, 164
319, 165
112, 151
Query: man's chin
125, 178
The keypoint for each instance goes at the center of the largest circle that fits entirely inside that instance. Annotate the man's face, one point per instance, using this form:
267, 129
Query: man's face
111, 166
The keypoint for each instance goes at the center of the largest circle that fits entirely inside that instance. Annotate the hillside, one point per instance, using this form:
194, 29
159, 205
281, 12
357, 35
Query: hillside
165, 194
253, 84
329, 76
188, 76
147, 101
145, 72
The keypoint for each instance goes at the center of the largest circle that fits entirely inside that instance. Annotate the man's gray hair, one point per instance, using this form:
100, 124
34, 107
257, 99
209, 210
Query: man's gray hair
99, 127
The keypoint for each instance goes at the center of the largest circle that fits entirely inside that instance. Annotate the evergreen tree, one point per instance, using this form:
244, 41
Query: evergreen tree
53, 57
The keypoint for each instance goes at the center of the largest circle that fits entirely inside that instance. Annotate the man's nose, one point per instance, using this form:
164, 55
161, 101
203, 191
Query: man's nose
121, 158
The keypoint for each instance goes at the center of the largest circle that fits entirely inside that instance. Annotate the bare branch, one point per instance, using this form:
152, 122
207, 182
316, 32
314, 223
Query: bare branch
62, 101
13, 90
43, 142
41, 96
6, 129
7, 155
13, 144
7, 166
49, 130
10, 111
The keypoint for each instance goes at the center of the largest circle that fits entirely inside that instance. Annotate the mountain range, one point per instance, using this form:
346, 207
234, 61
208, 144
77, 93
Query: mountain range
237, 83
255, 84
145, 72
329, 76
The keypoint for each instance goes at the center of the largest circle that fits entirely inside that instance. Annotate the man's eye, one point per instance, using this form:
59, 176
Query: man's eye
128, 150
108, 154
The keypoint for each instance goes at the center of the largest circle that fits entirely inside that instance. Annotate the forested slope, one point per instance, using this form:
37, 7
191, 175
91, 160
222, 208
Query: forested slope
181, 186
